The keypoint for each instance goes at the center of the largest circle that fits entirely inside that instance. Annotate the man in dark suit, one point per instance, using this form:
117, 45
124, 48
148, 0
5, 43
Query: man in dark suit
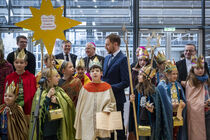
184, 65
115, 72
91, 54
66, 55
22, 42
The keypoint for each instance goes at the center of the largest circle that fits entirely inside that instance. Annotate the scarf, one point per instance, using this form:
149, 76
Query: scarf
202, 78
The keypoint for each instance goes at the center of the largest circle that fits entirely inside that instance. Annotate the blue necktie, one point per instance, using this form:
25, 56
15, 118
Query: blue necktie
110, 59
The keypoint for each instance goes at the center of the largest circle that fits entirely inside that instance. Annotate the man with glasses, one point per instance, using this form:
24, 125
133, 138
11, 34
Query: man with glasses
66, 55
184, 65
22, 42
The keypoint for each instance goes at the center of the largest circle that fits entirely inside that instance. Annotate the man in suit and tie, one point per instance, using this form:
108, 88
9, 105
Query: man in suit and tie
22, 42
91, 54
115, 72
66, 55
184, 65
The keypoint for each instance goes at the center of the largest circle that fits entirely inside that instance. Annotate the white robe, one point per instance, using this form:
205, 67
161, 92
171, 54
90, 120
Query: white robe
93, 97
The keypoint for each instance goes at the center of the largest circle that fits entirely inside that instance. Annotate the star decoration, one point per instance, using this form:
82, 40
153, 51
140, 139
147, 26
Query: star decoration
48, 24
154, 35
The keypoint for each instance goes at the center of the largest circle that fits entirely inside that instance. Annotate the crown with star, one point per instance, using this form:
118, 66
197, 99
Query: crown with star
95, 62
197, 61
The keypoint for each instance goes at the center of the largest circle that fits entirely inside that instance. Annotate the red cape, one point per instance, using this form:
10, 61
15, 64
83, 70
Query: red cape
29, 88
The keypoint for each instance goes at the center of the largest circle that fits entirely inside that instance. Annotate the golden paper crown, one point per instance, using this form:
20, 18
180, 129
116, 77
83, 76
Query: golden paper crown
160, 57
197, 61
59, 64
148, 71
80, 62
170, 66
95, 62
143, 53
20, 55
11, 88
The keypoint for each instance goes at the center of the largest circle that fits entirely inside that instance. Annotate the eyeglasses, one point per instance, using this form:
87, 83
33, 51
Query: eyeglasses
23, 42
189, 51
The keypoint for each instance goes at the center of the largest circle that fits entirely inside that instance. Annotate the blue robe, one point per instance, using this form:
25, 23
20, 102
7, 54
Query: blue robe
155, 117
167, 112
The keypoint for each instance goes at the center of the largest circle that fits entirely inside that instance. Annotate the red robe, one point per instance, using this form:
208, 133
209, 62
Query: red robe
29, 88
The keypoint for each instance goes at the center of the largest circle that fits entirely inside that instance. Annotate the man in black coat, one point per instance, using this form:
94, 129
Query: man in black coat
66, 55
22, 42
184, 65
91, 54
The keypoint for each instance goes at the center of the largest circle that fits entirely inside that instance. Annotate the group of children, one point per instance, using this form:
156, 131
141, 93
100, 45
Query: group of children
163, 110
69, 104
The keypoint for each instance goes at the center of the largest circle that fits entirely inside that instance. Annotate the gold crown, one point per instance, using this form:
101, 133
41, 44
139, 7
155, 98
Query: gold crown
20, 55
95, 62
160, 57
170, 66
148, 71
80, 63
11, 88
59, 64
143, 53
197, 61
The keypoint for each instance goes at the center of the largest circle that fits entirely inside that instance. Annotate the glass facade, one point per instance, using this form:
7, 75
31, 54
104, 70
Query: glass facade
178, 22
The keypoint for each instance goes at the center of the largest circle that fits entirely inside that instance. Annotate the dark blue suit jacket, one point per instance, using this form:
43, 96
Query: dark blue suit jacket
117, 76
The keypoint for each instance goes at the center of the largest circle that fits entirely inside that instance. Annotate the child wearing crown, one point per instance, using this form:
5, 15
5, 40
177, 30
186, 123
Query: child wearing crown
70, 84
80, 71
47, 63
13, 125
198, 101
96, 96
160, 59
143, 59
25, 80
57, 111
147, 106
173, 104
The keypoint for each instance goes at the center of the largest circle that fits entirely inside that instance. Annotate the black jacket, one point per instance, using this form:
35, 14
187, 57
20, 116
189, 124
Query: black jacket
182, 69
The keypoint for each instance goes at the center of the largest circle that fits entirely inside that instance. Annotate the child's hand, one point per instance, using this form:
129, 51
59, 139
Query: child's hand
107, 113
51, 92
150, 107
175, 105
54, 100
132, 97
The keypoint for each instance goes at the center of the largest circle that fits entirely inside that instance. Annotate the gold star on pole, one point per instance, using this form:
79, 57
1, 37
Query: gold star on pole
48, 24
158, 37
154, 35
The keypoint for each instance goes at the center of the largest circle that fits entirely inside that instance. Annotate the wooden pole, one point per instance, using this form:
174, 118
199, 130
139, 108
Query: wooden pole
42, 55
130, 78
51, 66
